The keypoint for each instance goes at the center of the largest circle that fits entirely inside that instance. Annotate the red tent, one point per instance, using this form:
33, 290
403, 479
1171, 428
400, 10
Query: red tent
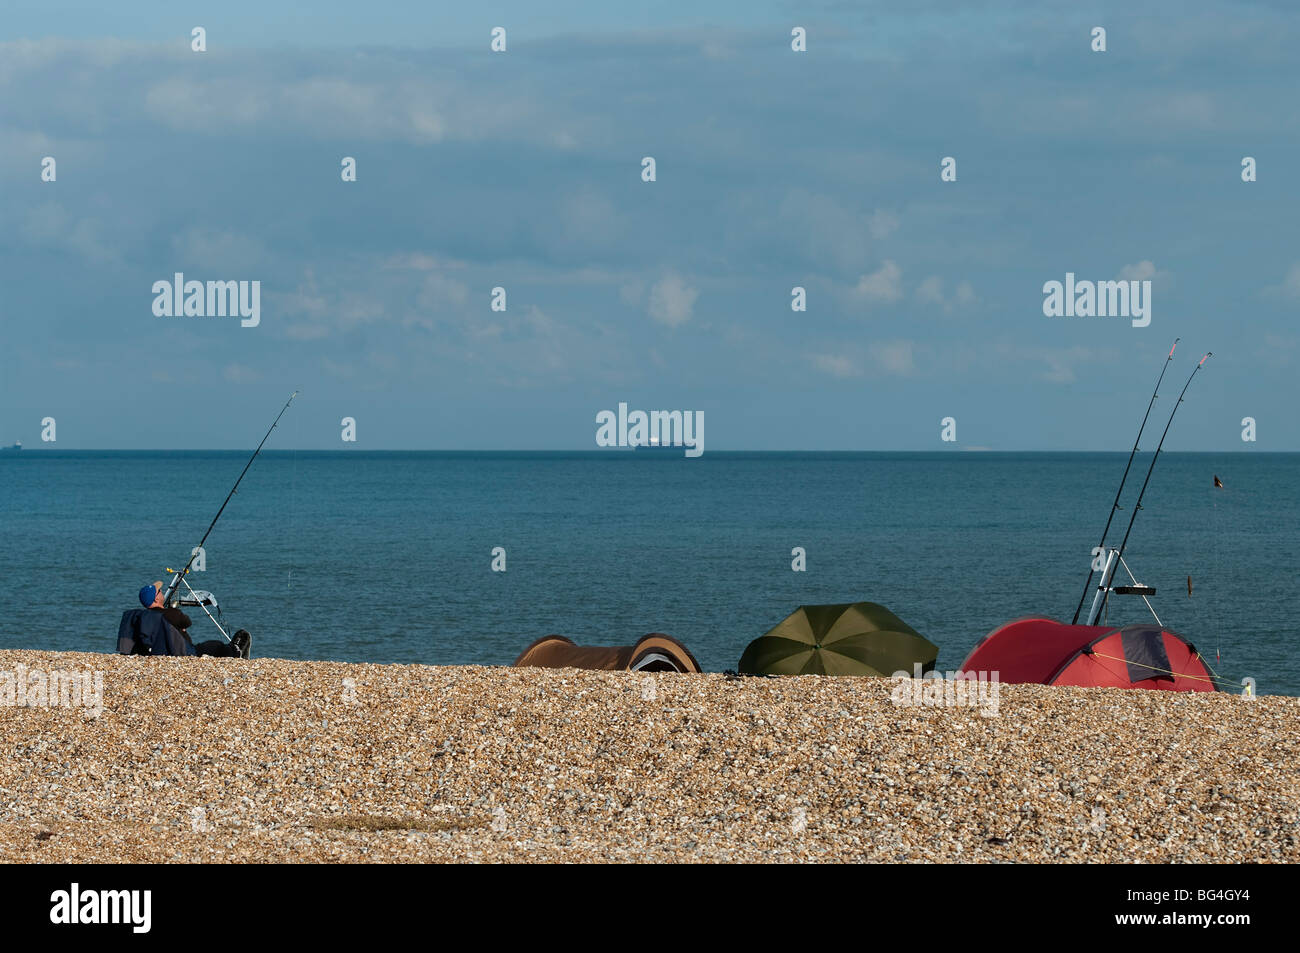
1047, 652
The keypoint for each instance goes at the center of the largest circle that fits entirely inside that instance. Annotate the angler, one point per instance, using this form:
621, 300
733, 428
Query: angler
160, 627
153, 599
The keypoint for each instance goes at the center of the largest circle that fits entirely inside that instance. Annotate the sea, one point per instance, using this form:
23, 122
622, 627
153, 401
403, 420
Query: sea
388, 557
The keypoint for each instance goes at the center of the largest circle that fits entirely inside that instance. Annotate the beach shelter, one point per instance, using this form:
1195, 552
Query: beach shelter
655, 652
851, 638
1047, 652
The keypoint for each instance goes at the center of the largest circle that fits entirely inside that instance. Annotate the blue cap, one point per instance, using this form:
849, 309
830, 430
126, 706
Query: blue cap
147, 595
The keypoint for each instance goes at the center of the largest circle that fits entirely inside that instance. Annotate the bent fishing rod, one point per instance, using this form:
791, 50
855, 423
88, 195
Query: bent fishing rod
177, 579
1119, 554
1124, 479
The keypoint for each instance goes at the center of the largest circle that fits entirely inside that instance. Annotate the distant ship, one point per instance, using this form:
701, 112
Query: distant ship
18, 445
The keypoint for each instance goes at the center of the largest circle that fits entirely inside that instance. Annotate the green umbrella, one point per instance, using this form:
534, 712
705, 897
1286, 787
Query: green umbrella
853, 638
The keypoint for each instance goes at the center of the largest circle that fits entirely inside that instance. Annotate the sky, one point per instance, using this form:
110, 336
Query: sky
522, 170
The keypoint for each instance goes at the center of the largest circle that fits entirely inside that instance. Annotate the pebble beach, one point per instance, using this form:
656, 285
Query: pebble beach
226, 760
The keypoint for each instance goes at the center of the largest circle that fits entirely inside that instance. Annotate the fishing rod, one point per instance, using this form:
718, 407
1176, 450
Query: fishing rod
1115, 506
1119, 553
177, 579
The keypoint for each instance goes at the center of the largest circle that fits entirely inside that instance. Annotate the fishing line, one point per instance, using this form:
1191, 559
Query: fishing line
180, 575
1214, 600
293, 515
1124, 479
1137, 506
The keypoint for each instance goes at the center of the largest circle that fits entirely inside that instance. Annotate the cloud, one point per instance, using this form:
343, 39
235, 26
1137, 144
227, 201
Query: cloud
588, 217
882, 224
345, 305
440, 293
888, 357
930, 291
671, 300
337, 368
886, 284
894, 357
50, 226
223, 253
419, 261
239, 373
1193, 110
632, 292
393, 107
1055, 365
375, 95
1277, 351
826, 231
836, 365
1139, 272
1291, 283
21, 151
473, 191
1146, 270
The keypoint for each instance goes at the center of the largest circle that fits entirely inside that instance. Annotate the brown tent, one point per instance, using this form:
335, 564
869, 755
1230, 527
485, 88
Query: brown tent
652, 653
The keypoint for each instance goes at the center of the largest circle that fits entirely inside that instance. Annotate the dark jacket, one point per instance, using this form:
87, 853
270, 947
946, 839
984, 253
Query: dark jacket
175, 616
143, 632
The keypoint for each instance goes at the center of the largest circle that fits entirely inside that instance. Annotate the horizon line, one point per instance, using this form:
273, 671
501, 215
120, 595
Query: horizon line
7, 451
